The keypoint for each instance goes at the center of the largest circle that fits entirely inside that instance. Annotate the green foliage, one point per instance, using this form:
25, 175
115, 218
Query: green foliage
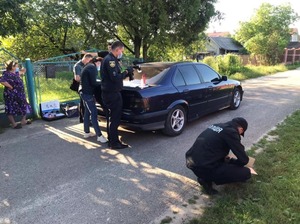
12, 17
212, 62
53, 28
225, 64
267, 33
272, 196
147, 23
232, 64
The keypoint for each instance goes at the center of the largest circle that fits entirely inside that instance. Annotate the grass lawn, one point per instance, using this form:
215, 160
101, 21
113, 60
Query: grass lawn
274, 195
57, 88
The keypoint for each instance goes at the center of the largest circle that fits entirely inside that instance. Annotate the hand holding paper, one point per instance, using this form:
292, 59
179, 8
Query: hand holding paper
249, 164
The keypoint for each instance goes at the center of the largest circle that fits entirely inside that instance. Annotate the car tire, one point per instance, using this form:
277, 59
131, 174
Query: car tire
175, 122
236, 99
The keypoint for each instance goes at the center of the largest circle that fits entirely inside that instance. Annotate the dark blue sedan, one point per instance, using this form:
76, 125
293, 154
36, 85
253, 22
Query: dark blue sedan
174, 94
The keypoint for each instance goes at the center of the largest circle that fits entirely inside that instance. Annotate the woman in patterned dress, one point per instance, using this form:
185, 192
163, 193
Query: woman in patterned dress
14, 94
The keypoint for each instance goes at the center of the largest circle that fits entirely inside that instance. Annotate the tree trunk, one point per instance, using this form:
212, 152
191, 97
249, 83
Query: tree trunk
145, 51
137, 46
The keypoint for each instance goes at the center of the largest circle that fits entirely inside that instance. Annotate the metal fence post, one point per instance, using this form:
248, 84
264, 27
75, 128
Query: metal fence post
31, 87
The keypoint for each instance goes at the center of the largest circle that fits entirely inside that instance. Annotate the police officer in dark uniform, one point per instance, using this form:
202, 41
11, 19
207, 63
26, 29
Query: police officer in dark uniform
111, 85
207, 158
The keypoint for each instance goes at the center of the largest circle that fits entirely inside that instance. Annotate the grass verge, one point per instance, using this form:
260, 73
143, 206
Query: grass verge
274, 195
250, 71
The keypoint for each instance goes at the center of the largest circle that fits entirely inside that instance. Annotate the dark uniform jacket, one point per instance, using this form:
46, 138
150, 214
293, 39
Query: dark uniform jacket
213, 145
111, 76
88, 81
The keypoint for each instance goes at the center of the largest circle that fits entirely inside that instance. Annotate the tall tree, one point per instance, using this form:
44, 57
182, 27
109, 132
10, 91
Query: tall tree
56, 24
151, 22
54, 28
12, 17
267, 33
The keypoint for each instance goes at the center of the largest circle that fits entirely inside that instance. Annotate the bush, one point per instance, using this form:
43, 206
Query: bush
212, 62
232, 63
228, 64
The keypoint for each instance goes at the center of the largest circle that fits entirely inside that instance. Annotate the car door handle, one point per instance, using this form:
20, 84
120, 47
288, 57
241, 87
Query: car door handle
186, 91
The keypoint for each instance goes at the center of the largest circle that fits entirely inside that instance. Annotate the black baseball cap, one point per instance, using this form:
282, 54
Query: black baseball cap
242, 123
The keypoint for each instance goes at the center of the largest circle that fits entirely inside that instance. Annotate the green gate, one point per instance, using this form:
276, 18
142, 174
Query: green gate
48, 79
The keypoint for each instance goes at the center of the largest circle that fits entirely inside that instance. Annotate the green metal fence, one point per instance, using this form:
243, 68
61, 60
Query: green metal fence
49, 79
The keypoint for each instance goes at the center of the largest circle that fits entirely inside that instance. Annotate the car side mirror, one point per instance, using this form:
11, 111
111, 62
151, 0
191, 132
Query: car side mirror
224, 78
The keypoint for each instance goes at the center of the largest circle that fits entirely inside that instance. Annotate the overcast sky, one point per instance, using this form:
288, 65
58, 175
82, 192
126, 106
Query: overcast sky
243, 10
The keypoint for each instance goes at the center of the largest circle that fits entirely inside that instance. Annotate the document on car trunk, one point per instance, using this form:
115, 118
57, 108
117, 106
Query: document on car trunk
134, 83
250, 164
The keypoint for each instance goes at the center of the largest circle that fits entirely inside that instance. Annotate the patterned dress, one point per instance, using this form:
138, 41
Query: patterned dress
15, 99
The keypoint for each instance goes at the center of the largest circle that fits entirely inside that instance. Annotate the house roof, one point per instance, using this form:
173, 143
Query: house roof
227, 43
218, 34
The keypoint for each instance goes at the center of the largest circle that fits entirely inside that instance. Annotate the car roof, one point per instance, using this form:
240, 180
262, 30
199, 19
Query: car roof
153, 68
165, 64
157, 64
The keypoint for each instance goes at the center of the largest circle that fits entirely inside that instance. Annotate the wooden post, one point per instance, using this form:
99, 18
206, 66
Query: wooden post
285, 55
294, 55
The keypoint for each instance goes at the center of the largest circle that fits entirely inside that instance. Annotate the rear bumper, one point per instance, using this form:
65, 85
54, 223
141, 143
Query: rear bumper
145, 122
143, 127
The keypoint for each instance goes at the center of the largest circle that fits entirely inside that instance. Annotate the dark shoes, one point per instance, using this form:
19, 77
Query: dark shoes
207, 186
18, 126
118, 145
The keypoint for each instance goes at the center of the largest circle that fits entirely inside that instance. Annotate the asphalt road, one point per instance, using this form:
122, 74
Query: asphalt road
50, 174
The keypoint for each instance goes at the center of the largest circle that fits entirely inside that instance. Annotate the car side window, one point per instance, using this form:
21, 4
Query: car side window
189, 74
178, 79
207, 73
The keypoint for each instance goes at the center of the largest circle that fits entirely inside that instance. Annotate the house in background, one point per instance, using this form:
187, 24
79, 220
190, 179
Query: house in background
292, 51
294, 42
221, 43
294, 35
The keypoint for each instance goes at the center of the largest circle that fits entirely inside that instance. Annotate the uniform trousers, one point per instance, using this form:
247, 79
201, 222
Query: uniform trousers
113, 102
81, 110
223, 174
90, 110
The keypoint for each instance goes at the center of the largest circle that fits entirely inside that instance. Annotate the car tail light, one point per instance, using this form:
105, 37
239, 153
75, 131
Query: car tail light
139, 104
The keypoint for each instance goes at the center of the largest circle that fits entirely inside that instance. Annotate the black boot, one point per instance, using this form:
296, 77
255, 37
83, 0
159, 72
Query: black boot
207, 186
80, 119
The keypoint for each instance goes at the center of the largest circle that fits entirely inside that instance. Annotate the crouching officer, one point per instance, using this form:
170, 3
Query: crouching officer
112, 84
207, 157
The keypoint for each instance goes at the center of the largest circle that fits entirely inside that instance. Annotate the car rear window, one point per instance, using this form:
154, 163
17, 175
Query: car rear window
157, 78
154, 72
